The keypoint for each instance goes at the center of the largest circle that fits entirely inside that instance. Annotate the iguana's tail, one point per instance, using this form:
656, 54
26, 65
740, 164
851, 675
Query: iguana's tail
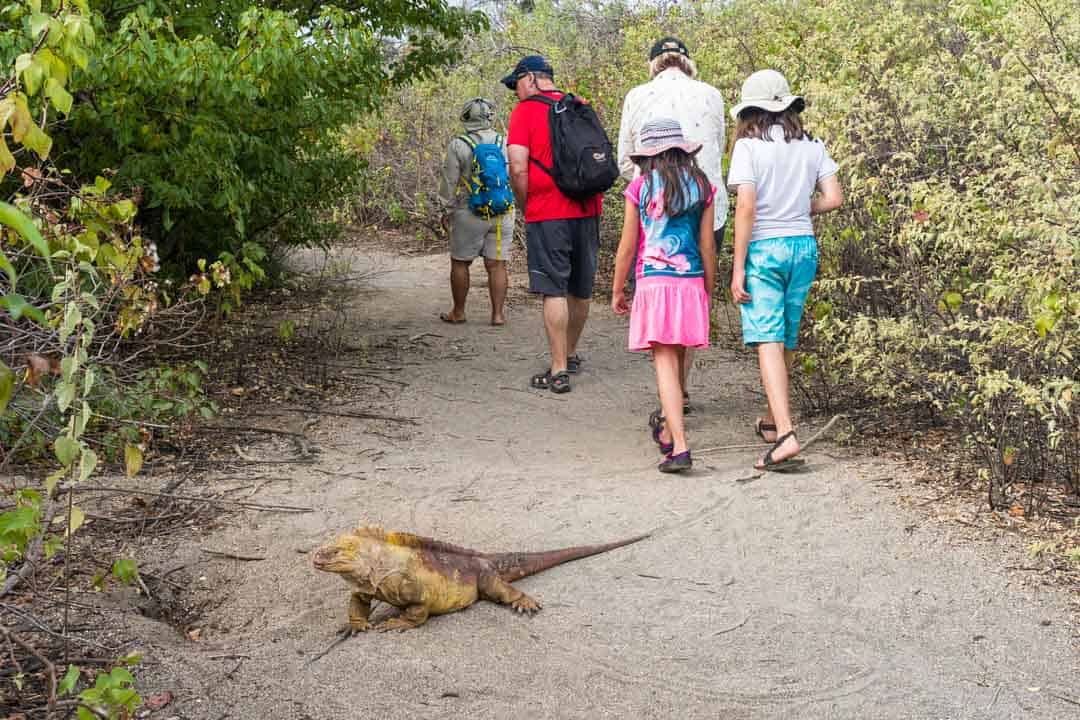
514, 566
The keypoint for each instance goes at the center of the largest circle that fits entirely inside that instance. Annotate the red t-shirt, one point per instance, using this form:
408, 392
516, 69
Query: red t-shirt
529, 128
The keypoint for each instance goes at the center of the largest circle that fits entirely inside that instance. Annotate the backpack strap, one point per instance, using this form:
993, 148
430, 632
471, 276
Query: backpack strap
467, 139
541, 98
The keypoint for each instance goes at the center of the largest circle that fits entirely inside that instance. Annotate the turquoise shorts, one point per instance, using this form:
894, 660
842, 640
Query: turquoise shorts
779, 272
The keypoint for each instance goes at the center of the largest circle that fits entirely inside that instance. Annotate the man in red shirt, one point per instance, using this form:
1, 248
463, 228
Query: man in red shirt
562, 235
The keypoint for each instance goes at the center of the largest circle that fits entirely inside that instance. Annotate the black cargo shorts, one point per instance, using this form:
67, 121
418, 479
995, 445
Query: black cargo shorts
562, 256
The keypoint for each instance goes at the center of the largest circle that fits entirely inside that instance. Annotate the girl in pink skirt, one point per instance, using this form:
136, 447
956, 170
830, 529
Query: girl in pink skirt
669, 220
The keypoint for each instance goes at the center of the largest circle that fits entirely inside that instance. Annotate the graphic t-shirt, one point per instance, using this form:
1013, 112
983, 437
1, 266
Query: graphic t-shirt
784, 175
529, 128
667, 245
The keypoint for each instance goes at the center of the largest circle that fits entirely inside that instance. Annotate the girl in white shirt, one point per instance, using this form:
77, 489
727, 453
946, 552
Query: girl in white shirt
775, 168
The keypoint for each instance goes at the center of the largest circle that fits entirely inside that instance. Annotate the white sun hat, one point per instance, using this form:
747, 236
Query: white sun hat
767, 90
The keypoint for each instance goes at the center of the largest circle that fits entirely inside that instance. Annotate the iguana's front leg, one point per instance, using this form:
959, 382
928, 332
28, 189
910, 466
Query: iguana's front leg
494, 588
359, 610
411, 617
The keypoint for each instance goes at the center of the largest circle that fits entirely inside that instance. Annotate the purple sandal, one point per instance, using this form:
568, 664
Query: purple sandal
676, 463
665, 448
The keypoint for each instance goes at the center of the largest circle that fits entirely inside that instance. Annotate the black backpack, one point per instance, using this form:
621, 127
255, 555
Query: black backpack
583, 163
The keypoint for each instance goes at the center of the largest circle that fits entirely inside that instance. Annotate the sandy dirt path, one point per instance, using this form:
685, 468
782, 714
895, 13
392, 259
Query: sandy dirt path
786, 596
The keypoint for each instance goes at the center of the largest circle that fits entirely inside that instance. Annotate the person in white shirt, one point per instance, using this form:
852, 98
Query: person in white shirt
675, 93
775, 169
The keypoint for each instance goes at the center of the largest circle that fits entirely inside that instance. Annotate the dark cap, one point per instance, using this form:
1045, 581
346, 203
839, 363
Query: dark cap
526, 65
668, 44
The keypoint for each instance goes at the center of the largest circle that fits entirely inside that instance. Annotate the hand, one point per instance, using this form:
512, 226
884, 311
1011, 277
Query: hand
738, 287
618, 303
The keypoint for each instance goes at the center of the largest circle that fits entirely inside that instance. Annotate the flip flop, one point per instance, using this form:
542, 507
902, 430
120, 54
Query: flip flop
761, 427
786, 465
445, 317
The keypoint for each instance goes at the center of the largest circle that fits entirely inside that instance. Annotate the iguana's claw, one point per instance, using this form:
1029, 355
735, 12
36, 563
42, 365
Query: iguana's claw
526, 605
394, 624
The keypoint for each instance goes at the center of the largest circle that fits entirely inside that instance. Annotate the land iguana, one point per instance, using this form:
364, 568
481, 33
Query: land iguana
426, 577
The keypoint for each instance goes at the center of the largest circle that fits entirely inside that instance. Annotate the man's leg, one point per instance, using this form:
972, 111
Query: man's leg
585, 245
578, 313
459, 289
556, 322
497, 282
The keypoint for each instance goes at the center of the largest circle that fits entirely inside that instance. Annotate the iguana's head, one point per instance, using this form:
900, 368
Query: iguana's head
342, 556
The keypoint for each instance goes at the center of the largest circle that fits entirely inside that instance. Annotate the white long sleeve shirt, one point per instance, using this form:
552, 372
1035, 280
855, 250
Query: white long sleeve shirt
697, 106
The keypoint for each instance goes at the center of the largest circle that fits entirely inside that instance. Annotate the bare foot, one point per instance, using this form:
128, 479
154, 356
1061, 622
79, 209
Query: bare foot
497, 320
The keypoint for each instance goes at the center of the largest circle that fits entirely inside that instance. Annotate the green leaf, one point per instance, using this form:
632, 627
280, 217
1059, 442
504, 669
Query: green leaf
7, 160
87, 463
36, 140
17, 306
88, 381
61, 98
126, 572
68, 367
5, 264
121, 676
67, 449
1045, 323
7, 384
954, 300
85, 714
78, 517
72, 317
65, 395
71, 679
33, 74
133, 459
20, 223
39, 21
52, 480
21, 520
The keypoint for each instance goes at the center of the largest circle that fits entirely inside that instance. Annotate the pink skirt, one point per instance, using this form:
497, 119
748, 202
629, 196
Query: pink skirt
669, 311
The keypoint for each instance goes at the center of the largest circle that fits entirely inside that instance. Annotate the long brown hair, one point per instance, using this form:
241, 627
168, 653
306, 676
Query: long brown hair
675, 167
755, 123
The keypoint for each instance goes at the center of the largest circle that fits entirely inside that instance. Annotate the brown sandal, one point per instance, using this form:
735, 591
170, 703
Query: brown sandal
784, 465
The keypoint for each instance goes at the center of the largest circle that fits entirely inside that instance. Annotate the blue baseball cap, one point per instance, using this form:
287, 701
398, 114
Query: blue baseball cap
526, 65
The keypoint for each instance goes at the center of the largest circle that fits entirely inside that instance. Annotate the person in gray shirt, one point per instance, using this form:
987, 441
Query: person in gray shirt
471, 235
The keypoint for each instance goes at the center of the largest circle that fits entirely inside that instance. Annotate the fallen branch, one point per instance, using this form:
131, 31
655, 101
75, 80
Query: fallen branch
41, 658
298, 460
733, 627
342, 637
813, 439
251, 428
195, 498
233, 556
357, 415
1066, 699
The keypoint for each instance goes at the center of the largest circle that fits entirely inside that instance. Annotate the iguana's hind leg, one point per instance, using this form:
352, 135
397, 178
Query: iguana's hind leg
495, 589
411, 617
359, 610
